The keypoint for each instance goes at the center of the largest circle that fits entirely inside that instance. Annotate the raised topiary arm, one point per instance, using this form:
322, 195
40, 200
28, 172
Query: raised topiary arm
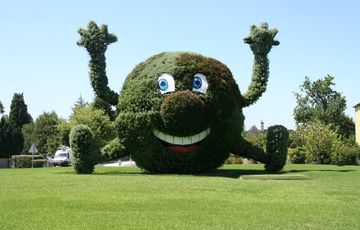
261, 40
95, 40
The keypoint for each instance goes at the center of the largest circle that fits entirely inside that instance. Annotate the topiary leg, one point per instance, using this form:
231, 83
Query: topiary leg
276, 148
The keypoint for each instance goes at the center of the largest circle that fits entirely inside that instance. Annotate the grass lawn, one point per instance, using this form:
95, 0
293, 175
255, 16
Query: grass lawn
307, 197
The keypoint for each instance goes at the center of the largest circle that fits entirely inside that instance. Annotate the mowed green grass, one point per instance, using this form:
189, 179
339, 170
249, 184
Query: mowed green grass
127, 198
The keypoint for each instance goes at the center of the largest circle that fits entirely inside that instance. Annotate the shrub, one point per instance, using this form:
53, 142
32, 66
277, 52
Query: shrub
321, 141
24, 161
82, 145
297, 155
234, 159
114, 150
346, 155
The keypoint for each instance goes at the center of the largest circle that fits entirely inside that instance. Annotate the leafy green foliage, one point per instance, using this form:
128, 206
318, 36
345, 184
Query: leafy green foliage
234, 159
261, 40
142, 108
29, 136
84, 153
321, 141
18, 111
96, 119
28, 161
346, 155
318, 101
1, 108
45, 132
276, 147
297, 155
11, 139
114, 150
95, 40
178, 111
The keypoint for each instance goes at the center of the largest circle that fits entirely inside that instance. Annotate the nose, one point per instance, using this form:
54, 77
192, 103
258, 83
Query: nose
182, 113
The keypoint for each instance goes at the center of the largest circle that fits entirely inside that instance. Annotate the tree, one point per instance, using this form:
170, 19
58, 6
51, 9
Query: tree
18, 111
96, 119
95, 40
29, 136
11, 139
80, 103
46, 134
321, 142
318, 101
1, 108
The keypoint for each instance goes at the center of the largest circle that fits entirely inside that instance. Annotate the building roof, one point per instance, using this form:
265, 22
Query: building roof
254, 130
358, 104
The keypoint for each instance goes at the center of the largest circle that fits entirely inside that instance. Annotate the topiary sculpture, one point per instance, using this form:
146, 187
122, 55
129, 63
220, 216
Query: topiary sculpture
81, 142
181, 112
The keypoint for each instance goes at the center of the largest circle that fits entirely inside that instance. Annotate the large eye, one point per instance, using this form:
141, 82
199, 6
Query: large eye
166, 83
200, 84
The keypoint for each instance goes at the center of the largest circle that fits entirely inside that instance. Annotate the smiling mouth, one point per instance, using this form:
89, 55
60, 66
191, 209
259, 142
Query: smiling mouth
179, 144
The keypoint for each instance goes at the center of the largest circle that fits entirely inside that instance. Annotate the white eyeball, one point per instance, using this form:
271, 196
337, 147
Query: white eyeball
166, 83
200, 83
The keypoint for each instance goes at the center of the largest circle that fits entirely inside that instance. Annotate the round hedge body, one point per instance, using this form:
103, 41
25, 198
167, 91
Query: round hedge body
169, 124
84, 154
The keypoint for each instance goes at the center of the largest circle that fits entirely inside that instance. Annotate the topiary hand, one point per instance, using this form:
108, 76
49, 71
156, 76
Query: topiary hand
261, 39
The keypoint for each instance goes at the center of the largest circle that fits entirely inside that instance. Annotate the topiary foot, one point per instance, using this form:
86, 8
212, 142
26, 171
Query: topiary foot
276, 147
261, 39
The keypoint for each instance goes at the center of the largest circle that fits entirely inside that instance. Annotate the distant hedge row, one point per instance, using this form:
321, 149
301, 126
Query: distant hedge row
28, 161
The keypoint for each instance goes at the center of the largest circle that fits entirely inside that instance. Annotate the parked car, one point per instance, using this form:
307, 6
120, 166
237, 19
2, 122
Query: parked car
62, 157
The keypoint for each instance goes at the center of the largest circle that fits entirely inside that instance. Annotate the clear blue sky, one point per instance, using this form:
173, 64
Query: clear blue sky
39, 55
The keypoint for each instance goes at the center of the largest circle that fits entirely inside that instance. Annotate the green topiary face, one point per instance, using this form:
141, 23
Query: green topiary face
180, 112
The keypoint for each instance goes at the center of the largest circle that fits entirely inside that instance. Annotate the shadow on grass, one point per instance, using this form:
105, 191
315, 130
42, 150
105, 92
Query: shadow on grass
235, 173
221, 172
322, 170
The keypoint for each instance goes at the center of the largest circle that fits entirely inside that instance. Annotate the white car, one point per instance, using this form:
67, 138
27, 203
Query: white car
63, 157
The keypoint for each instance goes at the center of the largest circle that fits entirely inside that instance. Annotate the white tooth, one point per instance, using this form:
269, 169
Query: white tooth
187, 140
161, 136
196, 138
177, 140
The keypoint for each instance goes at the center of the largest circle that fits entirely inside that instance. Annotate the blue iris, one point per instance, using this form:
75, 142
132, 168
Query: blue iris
163, 84
197, 82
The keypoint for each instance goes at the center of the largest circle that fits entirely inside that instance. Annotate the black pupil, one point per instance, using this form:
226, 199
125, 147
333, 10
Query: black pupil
163, 83
197, 82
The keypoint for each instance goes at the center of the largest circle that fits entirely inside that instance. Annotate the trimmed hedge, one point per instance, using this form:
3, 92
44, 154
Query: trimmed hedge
276, 147
82, 145
24, 161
